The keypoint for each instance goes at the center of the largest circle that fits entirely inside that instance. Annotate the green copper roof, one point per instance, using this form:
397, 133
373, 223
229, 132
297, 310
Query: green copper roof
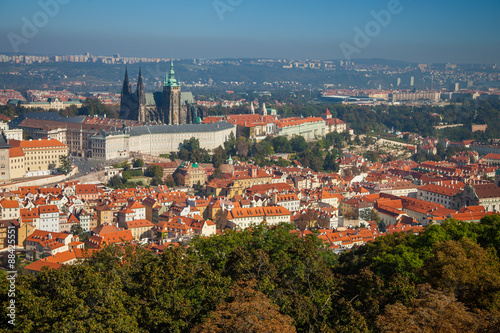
498, 171
170, 80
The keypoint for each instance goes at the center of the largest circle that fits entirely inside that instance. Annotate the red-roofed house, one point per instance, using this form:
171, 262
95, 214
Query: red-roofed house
241, 218
289, 201
140, 228
49, 218
138, 208
486, 195
9, 209
491, 159
42, 243
68, 223
104, 214
70, 257
202, 227
445, 195
37, 266
406, 228
86, 192
118, 237
335, 125
124, 216
424, 211
174, 228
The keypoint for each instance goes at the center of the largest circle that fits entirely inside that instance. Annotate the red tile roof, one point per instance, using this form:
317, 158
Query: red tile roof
38, 265
40, 143
15, 152
9, 203
140, 223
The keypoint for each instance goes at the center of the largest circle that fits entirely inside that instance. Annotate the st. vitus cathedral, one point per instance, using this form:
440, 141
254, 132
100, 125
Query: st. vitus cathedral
170, 107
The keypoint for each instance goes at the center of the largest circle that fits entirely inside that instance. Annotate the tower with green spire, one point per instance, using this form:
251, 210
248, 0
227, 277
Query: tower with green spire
170, 80
171, 102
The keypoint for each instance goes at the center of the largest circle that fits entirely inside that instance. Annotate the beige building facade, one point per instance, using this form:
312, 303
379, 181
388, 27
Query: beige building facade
39, 155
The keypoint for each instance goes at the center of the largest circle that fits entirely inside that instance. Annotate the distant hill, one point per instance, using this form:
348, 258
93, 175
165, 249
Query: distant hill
383, 62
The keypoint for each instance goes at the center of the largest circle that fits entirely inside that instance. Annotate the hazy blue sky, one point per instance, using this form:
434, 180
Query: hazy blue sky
421, 31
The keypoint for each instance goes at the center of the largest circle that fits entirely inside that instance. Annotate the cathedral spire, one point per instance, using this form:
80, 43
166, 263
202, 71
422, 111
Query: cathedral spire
126, 83
140, 89
170, 80
139, 79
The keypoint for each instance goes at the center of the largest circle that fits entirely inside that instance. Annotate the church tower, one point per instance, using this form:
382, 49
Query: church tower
125, 99
171, 102
264, 109
141, 98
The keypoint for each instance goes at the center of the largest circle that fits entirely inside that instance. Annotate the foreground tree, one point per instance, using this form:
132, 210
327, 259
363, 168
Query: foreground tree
221, 219
246, 310
433, 311
468, 271
74, 299
446, 280
307, 220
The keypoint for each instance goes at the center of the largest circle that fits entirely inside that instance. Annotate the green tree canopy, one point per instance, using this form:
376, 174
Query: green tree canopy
299, 144
154, 171
447, 279
219, 157
281, 144
138, 163
65, 165
92, 106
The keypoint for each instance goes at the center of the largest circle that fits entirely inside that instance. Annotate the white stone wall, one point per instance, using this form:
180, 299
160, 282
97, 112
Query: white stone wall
121, 145
308, 130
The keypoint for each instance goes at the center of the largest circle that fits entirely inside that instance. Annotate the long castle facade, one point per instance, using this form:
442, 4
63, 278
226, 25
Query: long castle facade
170, 106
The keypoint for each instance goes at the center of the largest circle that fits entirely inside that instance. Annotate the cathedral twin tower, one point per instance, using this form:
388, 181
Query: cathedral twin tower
171, 106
